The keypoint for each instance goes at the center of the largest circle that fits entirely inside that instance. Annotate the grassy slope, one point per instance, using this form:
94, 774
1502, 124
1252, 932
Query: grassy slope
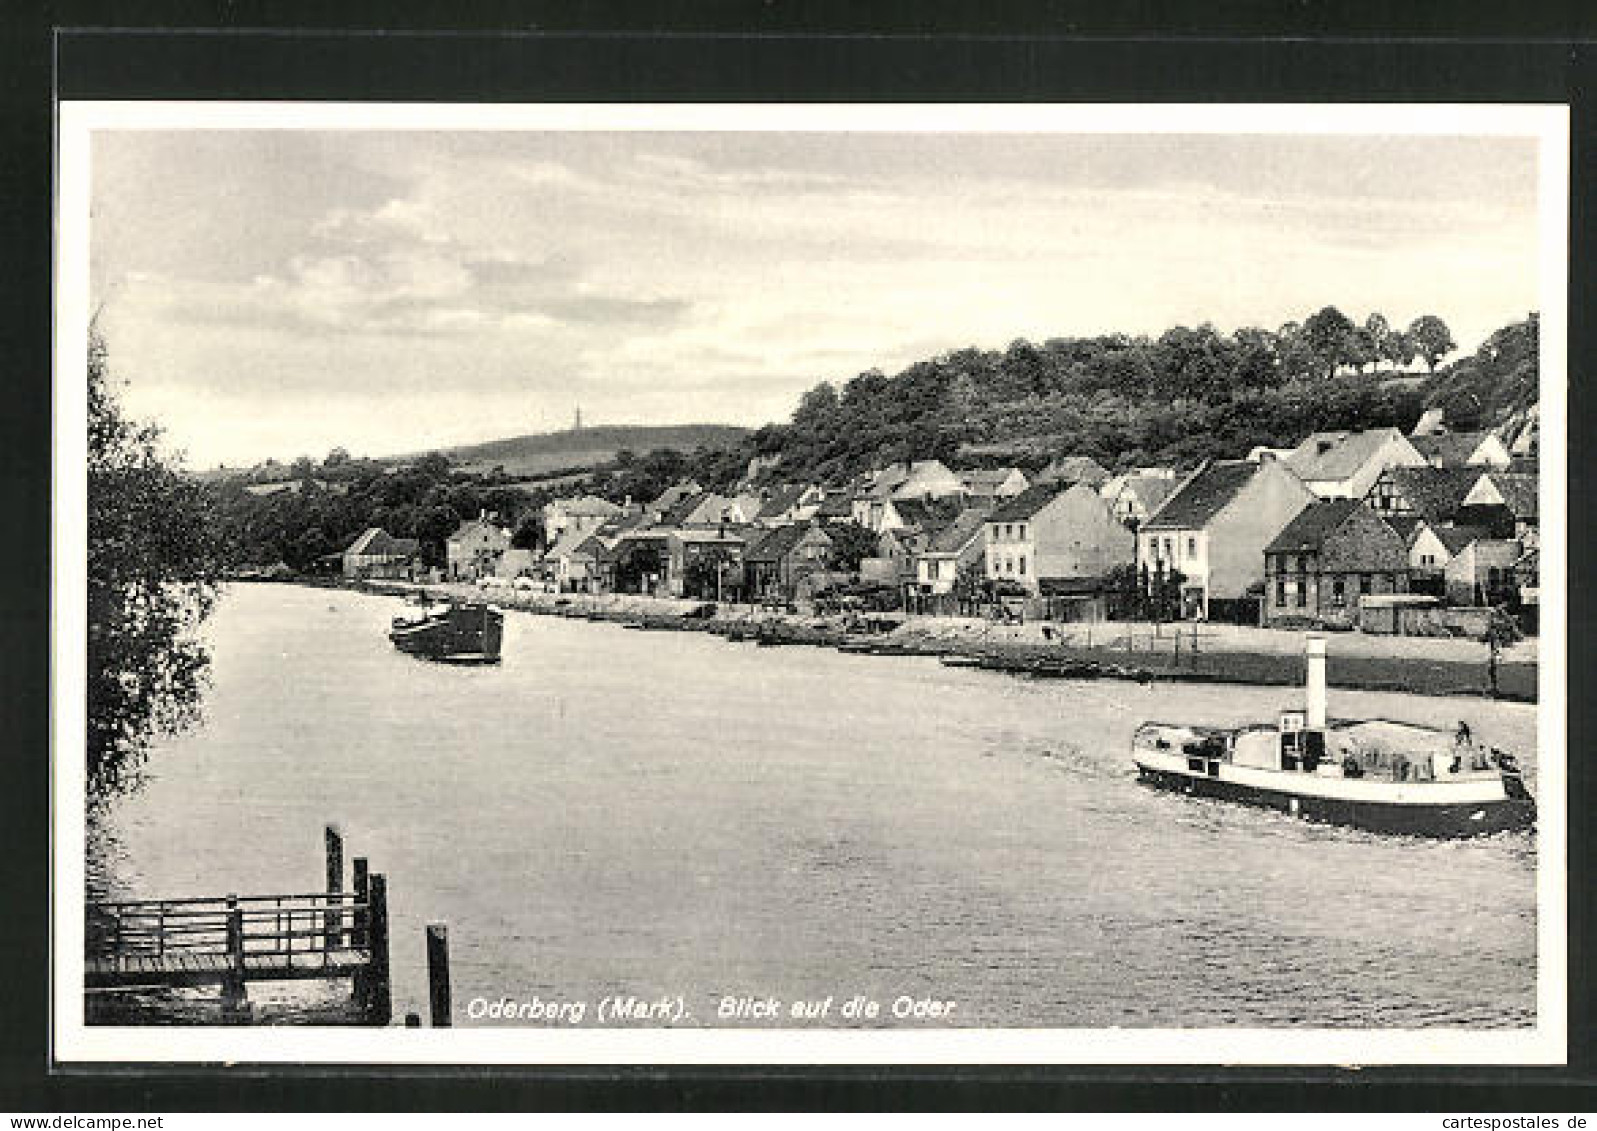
551, 451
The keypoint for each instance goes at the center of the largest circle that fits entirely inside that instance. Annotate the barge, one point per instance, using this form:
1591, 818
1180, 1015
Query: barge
463, 632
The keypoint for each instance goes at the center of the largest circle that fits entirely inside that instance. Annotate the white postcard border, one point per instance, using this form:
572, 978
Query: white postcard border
74, 1042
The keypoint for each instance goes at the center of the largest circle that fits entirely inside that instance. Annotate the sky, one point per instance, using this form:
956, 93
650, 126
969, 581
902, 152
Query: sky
276, 293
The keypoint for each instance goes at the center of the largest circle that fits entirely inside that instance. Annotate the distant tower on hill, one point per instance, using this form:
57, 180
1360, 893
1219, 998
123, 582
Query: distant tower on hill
576, 425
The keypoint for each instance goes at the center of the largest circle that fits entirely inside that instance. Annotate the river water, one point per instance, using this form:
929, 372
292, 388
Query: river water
670, 814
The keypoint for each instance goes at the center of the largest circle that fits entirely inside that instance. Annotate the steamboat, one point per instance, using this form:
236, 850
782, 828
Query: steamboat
462, 632
1375, 774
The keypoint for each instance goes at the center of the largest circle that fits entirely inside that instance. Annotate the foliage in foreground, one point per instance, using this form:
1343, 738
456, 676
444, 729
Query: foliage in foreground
152, 578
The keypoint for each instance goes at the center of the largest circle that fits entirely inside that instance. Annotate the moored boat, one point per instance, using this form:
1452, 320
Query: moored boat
466, 632
1375, 774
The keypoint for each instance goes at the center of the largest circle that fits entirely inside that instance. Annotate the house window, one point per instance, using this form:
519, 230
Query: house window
1170, 549
1427, 559
1023, 534
1366, 582
1280, 592
1009, 531
1192, 548
1302, 594
1338, 591
1023, 568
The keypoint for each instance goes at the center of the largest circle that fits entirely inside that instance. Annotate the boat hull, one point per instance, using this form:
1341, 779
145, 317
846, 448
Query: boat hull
1440, 819
469, 634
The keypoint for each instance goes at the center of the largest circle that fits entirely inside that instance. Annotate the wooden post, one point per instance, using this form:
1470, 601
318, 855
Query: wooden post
332, 919
362, 891
438, 974
379, 994
233, 994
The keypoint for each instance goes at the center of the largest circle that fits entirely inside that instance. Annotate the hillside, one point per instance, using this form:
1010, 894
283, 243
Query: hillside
529, 457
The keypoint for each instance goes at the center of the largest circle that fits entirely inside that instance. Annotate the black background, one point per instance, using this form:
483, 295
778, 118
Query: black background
771, 52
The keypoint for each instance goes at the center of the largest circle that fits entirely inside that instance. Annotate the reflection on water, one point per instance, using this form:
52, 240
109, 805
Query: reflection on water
671, 814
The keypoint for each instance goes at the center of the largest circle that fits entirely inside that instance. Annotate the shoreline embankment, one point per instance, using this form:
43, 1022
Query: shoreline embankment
1110, 650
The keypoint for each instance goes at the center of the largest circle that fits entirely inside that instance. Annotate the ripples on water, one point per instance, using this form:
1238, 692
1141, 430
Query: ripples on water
668, 813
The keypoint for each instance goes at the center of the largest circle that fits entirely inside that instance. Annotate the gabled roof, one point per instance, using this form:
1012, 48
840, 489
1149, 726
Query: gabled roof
1337, 455
778, 542
1405, 525
573, 545
590, 506
836, 505
1030, 501
1456, 538
1150, 490
673, 495
1448, 449
1435, 492
679, 511
1082, 469
928, 515
1203, 495
894, 476
952, 539
785, 498
375, 542
986, 480
1314, 523
1519, 493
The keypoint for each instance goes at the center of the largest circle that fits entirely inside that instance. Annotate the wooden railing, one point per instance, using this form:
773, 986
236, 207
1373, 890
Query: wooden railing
231, 939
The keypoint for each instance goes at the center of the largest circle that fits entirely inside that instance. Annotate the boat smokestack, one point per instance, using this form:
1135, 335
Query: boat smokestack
1314, 654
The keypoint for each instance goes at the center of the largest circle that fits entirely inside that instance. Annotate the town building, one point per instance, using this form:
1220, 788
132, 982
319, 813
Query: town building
989, 486
1136, 495
1055, 531
576, 516
904, 480
378, 554
1328, 557
1463, 449
473, 550
1073, 469
1213, 530
572, 562
707, 564
960, 545
1508, 504
1434, 494
790, 503
1345, 465
662, 504
778, 561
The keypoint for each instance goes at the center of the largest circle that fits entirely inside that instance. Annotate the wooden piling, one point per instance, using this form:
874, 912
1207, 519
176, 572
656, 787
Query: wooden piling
438, 974
362, 891
379, 1002
233, 993
332, 919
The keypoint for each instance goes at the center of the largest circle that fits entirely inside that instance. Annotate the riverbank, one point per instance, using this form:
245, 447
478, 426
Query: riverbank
1114, 650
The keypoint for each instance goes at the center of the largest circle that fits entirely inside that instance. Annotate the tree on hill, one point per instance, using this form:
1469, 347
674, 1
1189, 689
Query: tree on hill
1432, 340
1328, 333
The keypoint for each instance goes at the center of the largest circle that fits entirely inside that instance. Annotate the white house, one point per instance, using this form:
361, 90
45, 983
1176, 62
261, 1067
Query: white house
1213, 529
473, 550
1345, 465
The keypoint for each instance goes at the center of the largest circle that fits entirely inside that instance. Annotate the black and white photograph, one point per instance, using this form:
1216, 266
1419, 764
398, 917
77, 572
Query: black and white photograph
839, 583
